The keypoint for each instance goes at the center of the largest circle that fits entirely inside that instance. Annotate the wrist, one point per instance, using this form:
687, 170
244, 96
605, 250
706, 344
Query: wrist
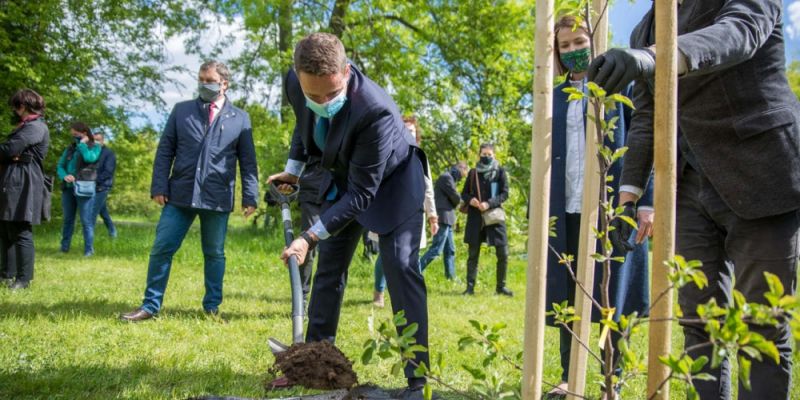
310, 238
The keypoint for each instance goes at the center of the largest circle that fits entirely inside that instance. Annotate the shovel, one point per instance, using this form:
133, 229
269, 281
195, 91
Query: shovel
284, 199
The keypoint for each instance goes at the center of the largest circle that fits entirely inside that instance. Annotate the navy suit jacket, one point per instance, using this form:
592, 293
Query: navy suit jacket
195, 165
375, 165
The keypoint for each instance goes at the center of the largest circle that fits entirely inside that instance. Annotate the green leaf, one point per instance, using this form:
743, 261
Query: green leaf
366, 357
410, 330
628, 220
698, 364
475, 372
744, 371
427, 391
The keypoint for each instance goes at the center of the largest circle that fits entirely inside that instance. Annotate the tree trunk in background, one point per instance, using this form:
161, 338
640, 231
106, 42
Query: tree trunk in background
336, 24
285, 34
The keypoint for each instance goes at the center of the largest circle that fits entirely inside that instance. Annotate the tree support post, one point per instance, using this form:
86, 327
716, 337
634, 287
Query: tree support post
665, 160
590, 213
538, 227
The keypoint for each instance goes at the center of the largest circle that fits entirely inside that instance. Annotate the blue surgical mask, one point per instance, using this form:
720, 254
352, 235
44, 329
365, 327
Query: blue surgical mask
329, 109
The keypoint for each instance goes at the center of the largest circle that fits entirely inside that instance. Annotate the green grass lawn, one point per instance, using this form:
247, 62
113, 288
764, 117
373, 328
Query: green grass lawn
62, 340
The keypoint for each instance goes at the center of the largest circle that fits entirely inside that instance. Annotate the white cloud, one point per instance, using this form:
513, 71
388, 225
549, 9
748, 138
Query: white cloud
792, 22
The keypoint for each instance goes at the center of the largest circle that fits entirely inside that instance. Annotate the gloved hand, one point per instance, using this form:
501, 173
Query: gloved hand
617, 68
622, 230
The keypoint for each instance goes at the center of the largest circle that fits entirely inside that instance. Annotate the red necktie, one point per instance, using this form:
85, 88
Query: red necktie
211, 108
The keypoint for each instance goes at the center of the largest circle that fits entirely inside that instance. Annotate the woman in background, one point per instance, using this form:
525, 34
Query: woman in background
24, 198
629, 289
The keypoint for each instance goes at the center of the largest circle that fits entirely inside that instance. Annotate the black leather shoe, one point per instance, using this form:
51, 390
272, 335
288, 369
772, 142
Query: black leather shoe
504, 291
137, 315
469, 292
19, 285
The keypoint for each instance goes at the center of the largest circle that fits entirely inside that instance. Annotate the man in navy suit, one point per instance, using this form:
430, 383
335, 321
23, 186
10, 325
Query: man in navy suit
194, 176
354, 129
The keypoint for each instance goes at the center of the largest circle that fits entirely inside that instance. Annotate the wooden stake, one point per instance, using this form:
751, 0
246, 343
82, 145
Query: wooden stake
665, 160
538, 226
589, 216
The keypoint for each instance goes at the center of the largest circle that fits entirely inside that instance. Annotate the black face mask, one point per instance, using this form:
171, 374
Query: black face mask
456, 174
486, 160
14, 118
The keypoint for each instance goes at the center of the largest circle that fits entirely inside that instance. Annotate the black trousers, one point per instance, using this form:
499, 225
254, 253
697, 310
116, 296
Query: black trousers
735, 249
502, 265
16, 250
572, 235
309, 215
399, 251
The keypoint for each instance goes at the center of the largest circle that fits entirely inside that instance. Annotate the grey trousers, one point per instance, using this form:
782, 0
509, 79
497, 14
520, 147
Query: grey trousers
734, 249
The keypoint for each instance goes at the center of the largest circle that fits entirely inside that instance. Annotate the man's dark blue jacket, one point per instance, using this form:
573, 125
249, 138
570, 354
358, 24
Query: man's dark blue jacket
195, 164
106, 165
374, 163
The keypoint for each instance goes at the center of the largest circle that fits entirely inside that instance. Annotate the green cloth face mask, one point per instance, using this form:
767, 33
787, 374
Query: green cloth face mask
576, 61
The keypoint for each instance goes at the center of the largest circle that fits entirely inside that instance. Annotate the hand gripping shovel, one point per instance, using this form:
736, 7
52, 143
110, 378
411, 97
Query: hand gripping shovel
284, 199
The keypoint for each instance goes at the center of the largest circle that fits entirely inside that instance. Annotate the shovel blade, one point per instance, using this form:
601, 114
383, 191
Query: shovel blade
276, 347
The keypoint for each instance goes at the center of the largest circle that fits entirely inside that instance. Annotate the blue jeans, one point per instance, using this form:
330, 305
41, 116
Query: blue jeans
442, 242
85, 207
101, 210
380, 278
170, 232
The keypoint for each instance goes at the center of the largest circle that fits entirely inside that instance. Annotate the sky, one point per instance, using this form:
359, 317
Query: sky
624, 15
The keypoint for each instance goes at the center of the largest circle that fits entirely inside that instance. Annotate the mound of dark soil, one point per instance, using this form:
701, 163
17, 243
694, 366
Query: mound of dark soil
316, 365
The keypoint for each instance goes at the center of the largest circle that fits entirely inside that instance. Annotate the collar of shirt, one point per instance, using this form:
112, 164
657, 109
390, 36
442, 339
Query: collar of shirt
218, 104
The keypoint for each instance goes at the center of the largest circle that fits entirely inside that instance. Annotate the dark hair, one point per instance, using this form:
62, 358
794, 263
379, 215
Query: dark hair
487, 146
566, 22
221, 69
81, 127
320, 54
410, 119
31, 101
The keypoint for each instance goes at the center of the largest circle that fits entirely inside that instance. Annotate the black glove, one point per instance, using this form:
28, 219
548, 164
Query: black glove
622, 230
617, 68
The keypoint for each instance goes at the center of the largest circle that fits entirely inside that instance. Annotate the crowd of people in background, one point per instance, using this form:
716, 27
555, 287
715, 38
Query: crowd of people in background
737, 207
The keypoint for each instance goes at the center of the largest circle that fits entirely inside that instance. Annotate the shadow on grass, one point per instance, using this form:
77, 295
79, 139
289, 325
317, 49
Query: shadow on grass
142, 379
106, 382
101, 309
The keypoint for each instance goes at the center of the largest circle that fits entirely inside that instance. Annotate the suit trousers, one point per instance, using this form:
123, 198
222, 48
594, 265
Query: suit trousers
399, 251
734, 249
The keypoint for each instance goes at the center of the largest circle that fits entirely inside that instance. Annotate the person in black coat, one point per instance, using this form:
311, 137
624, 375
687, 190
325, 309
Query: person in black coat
486, 188
447, 199
106, 166
738, 197
25, 194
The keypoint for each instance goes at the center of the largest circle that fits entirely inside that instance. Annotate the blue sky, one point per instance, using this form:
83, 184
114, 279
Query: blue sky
624, 16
